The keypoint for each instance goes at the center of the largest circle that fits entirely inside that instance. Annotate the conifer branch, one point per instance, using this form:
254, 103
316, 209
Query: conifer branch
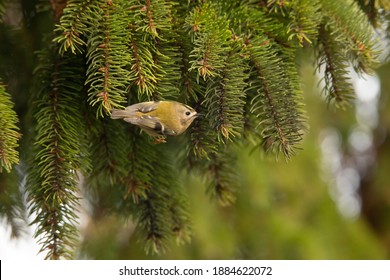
9, 132
369, 8
224, 95
107, 59
166, 177
142, 72
149, 14
59, 153
75, 23
260, 23
190, 88
274, 102
351, 27
305, 18
223, 177
211, 35
151, 216
106, 182
138, 178
166, 55
331, 59
150, 41
276, 6
178, 209
153, 212
109, 142
159, 207
143, 35
202, 141
168, 76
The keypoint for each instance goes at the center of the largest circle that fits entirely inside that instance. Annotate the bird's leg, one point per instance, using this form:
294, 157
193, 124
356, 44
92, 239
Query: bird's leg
160, 139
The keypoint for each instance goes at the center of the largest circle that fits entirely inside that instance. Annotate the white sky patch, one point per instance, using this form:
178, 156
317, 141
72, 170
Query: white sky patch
23, 248
367, 87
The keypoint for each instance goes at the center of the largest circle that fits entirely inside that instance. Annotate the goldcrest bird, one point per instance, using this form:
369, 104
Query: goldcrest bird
158, 118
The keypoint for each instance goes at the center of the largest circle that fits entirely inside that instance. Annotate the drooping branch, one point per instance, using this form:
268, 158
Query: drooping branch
332, 61
107, 58
9, 133
59, 154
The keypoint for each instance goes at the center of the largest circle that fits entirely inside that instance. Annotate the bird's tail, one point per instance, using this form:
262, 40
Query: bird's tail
119, 114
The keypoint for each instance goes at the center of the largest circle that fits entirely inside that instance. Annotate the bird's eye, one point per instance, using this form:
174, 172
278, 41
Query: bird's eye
188, 113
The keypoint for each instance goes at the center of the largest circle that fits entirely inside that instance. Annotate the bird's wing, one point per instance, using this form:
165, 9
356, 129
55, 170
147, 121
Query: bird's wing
143, 107
151, 124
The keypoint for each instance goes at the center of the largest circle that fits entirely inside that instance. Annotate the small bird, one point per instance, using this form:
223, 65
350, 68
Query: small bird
158, 118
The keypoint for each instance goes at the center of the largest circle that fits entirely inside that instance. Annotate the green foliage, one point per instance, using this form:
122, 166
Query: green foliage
75, 23
216, 57
107, 76
222, 177
59, 152
140, 177
338, 87
304, 20
162, 213
235, 62
9, 133
280, 122
351, 27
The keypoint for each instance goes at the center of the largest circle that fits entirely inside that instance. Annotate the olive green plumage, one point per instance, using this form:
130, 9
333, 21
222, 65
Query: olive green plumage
158, 118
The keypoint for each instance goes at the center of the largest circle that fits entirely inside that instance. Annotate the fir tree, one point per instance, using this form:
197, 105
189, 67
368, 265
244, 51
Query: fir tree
233, 61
